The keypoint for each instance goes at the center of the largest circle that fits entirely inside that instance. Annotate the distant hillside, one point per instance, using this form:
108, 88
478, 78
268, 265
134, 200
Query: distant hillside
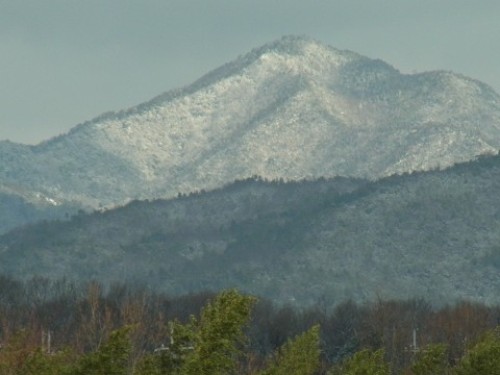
434, 234
18, 207
291, 109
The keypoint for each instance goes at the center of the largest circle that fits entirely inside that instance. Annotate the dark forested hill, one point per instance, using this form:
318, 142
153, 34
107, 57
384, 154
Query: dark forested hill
432, 234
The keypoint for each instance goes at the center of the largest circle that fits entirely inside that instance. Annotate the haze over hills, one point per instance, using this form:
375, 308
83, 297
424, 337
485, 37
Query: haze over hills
429, 234
291, 109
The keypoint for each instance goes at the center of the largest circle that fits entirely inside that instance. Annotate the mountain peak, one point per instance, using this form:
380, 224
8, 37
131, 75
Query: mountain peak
301, 51
296, 54
291, 109
289, 44
293, 46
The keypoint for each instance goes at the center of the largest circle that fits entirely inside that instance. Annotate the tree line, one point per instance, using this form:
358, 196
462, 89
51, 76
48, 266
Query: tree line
59, 327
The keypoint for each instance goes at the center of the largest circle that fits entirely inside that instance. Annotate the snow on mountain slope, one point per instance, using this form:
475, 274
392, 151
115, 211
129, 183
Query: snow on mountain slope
291, 109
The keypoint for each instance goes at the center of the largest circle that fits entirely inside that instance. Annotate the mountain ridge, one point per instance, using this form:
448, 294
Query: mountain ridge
430, 234
291, 109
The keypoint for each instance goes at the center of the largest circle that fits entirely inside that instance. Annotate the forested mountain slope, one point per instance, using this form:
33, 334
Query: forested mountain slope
432, 234
19, 207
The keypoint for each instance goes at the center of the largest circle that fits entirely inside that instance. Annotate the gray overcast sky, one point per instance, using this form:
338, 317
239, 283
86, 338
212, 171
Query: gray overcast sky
66, 61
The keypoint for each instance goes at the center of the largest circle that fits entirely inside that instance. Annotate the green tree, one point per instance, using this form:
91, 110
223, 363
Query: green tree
483, 358
150, 364
299, 356
210, 345
112, 358
172, 359
42, 363
365, 362
218, 335
433, 360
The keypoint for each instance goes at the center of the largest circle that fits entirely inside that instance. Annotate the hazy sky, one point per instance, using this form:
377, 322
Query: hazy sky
66, 61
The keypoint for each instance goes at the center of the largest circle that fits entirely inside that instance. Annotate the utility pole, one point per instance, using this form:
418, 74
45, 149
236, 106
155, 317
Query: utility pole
415, 347
46, 341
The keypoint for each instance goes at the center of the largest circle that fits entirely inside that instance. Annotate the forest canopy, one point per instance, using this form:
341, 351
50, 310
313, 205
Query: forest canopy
58, 327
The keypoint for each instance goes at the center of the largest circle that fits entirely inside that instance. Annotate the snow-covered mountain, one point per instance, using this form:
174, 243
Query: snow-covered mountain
291, 109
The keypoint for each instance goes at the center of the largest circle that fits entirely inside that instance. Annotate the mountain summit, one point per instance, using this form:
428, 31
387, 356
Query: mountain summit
291, 109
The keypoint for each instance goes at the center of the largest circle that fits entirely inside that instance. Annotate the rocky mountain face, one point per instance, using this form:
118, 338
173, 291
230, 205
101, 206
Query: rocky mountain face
429, 234
292, 109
